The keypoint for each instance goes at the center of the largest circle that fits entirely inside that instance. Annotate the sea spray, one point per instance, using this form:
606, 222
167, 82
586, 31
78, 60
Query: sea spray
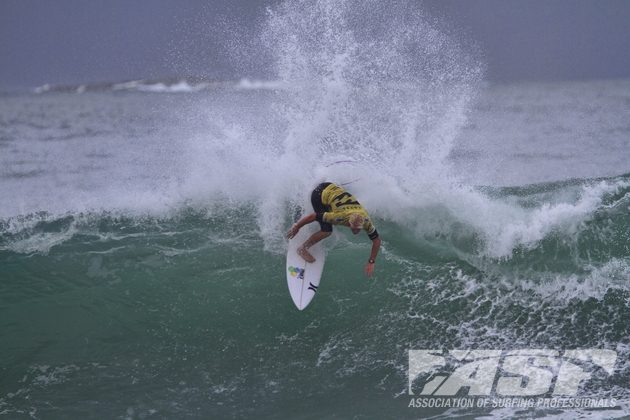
377, 84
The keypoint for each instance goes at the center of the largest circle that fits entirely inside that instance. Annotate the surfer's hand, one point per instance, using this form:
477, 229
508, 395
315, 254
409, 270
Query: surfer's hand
293, 231
369, 269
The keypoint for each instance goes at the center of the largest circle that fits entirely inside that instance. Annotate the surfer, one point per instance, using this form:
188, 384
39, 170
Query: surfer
335, 206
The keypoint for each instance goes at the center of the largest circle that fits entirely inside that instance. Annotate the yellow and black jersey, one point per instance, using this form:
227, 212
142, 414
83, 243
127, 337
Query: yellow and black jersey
339, 205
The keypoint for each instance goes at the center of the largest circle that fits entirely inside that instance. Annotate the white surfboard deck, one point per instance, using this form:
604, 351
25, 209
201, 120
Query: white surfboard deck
303, 278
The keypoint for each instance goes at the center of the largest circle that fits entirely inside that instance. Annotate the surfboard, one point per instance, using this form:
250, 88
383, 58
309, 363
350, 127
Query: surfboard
303, 278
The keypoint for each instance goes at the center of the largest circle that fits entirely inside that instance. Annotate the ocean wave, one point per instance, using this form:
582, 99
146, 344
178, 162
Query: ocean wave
580, 226
158, 283
248, 84
181, 85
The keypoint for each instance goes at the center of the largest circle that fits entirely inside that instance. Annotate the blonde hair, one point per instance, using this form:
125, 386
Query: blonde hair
356, 220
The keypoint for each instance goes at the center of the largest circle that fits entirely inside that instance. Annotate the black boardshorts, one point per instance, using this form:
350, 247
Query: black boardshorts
319, 207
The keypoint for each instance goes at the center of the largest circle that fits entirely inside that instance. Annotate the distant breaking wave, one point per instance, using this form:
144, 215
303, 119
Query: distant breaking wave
183, 85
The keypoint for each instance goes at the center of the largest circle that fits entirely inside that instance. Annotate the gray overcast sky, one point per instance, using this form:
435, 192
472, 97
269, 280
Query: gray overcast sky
77, 41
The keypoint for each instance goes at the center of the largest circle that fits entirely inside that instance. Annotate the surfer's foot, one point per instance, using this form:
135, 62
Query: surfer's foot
302, 252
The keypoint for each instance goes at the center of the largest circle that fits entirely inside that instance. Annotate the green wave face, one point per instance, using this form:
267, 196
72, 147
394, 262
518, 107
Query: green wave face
191, 306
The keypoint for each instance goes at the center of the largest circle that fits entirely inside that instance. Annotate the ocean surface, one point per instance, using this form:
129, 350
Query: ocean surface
142, 269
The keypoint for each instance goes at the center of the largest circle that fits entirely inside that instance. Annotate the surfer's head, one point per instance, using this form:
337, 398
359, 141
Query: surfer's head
355, 221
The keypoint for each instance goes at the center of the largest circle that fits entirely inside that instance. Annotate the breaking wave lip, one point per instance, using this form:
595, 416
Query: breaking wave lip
527, 232
515, 235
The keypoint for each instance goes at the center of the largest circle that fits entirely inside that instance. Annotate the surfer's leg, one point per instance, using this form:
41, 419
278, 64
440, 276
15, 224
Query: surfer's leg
326, 228
319, 207
316, 237
316, 198
306, 255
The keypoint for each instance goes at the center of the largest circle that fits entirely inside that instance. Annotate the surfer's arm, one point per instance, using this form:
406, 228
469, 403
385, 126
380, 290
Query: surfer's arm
376, 245
309, 218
